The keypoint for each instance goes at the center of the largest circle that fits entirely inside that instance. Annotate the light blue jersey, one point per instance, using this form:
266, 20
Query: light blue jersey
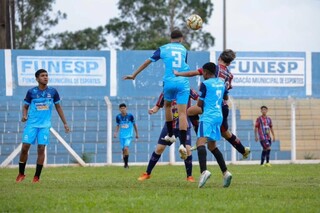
174, 56
126, 125
40, 106
211, 93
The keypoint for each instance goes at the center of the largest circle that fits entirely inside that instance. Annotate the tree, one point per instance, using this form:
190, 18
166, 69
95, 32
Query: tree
145, 24
34, 18
87, 39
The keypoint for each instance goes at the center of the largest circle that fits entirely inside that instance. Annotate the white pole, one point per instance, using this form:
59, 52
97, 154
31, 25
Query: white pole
234, 129
11, 156
293, 132
109, 130
172, 159
66, 145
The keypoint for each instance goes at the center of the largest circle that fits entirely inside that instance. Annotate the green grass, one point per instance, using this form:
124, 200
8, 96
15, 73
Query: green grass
281, 188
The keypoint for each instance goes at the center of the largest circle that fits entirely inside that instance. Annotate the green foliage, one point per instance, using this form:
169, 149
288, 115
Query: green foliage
33, 20
87, 39
281, 188
143, 24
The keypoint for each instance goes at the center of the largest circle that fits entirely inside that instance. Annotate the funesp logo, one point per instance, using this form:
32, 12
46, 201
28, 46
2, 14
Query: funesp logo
66, 71
269, 71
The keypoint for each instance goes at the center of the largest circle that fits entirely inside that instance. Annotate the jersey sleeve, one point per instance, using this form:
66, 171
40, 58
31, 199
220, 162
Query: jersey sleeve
203, 91
132, 119
160, 102
156, 55
257, 124
28, 98
117, 120
56, 97
193, 94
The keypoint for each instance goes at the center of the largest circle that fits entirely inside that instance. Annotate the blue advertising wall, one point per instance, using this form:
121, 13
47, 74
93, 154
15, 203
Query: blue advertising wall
315, 74
73, 73
149, 81
83, 74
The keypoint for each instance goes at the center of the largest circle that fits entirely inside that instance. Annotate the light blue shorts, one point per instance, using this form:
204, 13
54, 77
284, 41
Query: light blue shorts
32, 134
125, 142
209, 130
176, 91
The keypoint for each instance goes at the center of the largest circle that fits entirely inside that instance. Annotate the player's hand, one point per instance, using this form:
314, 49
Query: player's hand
115, 135
137, 136
66, 128
24, 118
176, 72
128, 77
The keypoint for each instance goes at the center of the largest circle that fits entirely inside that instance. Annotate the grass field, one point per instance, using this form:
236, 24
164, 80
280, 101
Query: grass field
281, 188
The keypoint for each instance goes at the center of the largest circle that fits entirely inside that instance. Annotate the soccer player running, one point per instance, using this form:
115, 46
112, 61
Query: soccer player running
174, 56
222, 71
263, 127
212, 90
36, 112
162, 144
125, 125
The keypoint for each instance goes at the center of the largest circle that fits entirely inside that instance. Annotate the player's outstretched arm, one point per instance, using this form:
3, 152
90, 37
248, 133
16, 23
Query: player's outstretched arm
134, 75
190, 73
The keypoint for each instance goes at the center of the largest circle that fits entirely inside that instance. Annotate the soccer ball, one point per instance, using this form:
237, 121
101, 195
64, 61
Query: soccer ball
194, 22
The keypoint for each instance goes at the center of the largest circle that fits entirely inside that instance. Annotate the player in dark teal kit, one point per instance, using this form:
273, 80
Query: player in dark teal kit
36, 112
125, 125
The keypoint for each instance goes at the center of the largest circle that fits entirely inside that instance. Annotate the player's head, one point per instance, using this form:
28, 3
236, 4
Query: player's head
176, 35
227, 56
123, 108
37, 74
42, 77
209, 70
264, 110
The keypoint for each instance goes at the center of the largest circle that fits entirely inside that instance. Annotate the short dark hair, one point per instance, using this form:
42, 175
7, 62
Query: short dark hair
263, 107
228, 56
39, 72
122, 105
210, 66
176, 34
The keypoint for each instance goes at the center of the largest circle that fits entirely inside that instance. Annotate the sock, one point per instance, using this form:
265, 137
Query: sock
188, 165
183, 137
126, 159
195, 122
263, 155
22, 167
220, 160
169, 128
38, 170
236, 143
268, 155
152, 162
202, 156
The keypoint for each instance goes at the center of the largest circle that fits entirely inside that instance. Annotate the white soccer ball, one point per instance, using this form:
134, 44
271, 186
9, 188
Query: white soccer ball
194, 22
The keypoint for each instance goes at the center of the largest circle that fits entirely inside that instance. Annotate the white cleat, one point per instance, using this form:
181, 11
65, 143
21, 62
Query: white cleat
205, 175
227, 179
171, 139
183, 152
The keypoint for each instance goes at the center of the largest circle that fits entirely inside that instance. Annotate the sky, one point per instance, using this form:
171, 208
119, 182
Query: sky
251, 25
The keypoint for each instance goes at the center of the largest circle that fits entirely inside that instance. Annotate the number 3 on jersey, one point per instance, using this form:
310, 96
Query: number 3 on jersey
176, 61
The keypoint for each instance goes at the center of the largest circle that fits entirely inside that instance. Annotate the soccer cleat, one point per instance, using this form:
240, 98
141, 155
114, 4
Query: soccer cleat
20, 178
246, 153
205, 175
35, 179
171, 139
227, 179
126, 166
144, 176
191, 179
183, 152
267, 165
193, 148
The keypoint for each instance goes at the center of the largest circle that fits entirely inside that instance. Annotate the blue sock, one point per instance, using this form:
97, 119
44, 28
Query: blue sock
152, 162
263, 155
188, 165
268, 155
